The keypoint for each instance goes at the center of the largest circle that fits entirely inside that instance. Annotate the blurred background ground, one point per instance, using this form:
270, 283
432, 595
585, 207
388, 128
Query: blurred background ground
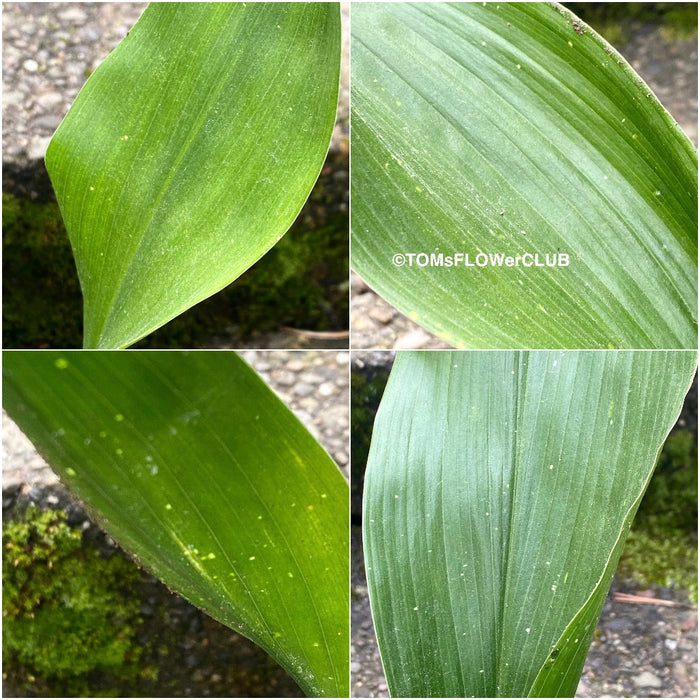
173, 649
296, 296
659, 40
639, 650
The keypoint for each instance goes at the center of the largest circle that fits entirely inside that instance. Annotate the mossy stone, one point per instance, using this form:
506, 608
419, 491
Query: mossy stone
68, 613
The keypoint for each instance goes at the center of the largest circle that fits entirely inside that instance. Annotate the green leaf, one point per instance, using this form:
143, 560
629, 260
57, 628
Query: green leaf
198, 469
499, 489
189, 152
513, 128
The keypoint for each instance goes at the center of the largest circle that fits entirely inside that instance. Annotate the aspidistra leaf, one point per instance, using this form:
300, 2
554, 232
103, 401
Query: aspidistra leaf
499, 489
194, 465
189, 152
513, 129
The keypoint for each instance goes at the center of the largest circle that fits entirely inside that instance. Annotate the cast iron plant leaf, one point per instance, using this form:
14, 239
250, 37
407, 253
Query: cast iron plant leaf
500, 488
189, 152
514, 129
194, 465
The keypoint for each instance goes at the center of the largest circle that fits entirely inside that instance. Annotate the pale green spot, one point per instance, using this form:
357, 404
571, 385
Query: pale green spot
168, 506
119, 418
119, 451
251, 558
103, 433
61, 363
71, 472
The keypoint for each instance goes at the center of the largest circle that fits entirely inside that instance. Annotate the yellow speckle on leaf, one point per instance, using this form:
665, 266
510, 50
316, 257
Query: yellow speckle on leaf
61, 363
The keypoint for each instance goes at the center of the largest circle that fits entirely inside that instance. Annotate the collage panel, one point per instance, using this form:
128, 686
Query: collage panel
153, 212
211, 484
498, 492
516, 183
466, 467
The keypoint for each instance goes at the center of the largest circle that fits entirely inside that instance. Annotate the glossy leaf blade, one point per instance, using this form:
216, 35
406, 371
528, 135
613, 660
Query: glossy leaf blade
189, 152
498, 491
200, 471
511, 129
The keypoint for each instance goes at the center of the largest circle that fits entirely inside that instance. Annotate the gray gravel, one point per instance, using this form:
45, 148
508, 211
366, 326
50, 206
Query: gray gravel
670, 69
49, 50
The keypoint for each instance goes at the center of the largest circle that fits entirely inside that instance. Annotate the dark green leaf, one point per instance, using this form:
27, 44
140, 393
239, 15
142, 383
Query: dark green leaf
513, 129
500, 487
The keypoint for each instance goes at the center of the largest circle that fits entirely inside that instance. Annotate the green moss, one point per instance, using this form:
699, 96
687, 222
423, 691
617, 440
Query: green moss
652, 559
662, 548
68, 613
41, 303
616, 20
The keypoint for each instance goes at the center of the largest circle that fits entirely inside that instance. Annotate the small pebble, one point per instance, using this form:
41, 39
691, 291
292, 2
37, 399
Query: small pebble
646, 679
303, 389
